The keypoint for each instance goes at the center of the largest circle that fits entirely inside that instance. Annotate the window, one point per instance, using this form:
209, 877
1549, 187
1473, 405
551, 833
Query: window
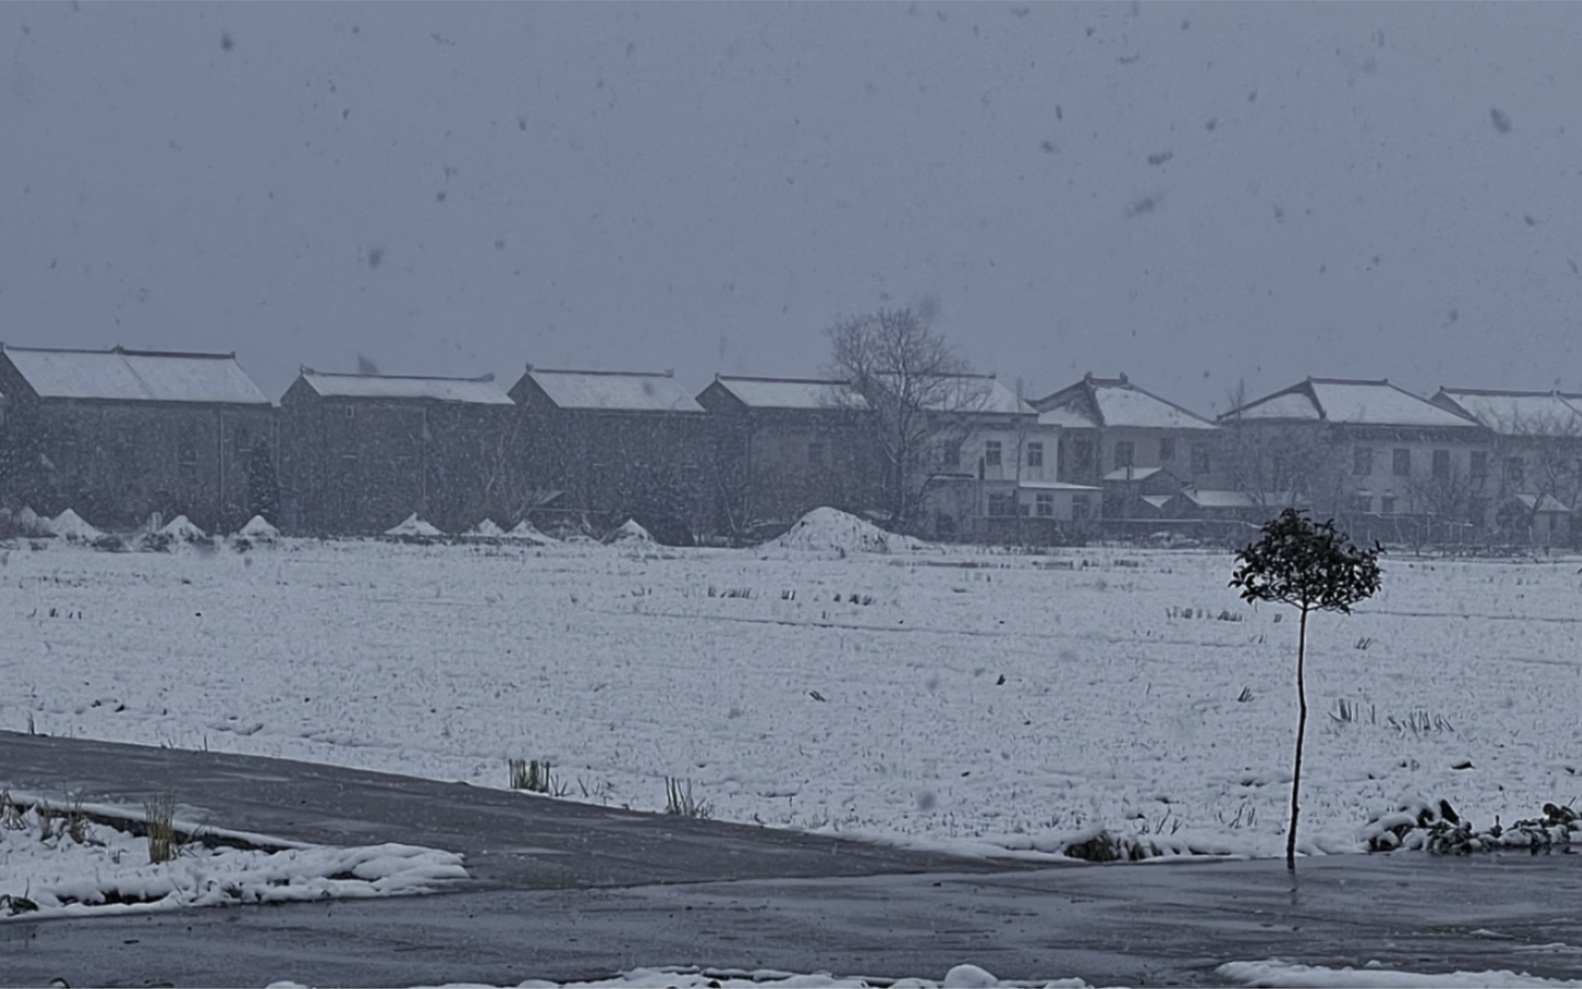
1002, 504
1123, 453
1401, 462
1362, 503
1387, 505
1515, 470
350, 411
1441, 465
950, 454
1046, 505
1080, 507
1167, 448
1200, 461
187, 457
991, 453
1082, 455
815, 454
1480, 465
1362, 461
1035, 454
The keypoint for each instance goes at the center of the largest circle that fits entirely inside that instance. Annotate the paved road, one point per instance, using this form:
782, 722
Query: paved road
565, 890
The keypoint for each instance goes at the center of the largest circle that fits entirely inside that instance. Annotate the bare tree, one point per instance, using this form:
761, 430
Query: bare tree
917, 388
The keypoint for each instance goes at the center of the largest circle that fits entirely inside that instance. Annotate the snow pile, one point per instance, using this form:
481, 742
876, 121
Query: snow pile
960, 977
487, 529
414, 527
527, 532
258, 530
70, 526
181, 529
28, 523
109, 871
630, 534
832, 530
1280, 973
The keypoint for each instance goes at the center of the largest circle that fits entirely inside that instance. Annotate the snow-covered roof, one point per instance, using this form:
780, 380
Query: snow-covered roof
1115, 402
1372, 403
791, 393
1227, 499
135, 376
1054, 486
1526, 413
1158, 501
472, 391
630, 391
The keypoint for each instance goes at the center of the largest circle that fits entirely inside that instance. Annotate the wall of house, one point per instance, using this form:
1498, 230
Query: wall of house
117, 463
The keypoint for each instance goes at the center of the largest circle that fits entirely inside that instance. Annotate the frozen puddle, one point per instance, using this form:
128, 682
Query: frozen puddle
69, 862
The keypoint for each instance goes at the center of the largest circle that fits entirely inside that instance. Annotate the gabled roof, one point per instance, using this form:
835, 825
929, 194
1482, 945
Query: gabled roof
1114, 402
1132, 473
471, 391
1542, 503
1351, 402
125, 375
791, 393
625, 391
1230, 499
1055, 486
1517, 413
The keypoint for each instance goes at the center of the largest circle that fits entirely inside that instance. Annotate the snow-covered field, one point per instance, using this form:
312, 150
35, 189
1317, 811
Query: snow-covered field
972, 700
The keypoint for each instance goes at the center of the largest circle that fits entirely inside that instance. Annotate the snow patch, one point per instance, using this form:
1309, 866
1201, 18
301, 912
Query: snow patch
181, 528
630, 533
525, 530
487, 529
1276, 973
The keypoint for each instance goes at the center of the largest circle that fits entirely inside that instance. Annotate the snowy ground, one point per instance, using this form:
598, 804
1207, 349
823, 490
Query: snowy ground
974, 701
60, 862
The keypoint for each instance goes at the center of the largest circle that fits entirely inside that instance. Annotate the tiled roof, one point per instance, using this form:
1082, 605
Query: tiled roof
1115, 402
134, 375
791, 393
472, 391
627, 391
1530, 413
1351, 402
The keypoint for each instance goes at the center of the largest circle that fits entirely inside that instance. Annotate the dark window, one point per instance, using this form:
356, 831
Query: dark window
1480, 464
1082, 455
1001, 505
1401, 462
1515, 470
187, 457
1362, 461
1387, 504
1362, 503
1046, 504
950, 454
991, 453
1123, 454
1035, 454
1200, 461
1079, 507
1167, 448
1441, 465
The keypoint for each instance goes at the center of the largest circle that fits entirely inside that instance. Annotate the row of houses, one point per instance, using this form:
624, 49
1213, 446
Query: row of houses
121, 434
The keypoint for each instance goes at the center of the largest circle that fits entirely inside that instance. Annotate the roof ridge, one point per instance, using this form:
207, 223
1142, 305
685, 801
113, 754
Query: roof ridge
666, 373
787, 381
120, 351
479, 379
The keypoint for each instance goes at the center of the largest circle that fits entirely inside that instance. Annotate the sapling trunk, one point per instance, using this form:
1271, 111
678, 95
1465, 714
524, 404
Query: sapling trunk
1301, 732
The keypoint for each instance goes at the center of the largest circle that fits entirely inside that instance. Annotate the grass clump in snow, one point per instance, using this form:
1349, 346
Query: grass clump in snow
535, 776
160, 821
681, 802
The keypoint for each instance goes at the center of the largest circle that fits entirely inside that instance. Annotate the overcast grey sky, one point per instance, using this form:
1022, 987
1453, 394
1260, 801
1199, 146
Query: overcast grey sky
1188, 193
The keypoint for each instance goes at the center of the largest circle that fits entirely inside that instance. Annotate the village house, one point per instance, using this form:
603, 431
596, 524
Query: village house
1528, 484
988, 473
361, 452
119, 435
1109, 424
1390, 464
615, 445
788, 446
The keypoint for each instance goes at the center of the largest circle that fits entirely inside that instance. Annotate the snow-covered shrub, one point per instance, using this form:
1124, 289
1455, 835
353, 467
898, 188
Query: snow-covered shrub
1421, 825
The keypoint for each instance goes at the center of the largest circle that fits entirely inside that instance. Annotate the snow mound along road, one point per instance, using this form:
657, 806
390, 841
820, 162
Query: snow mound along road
630, 533
487, 529
831, 530
413, 527
258, 530
181, 529
68, 525
28, 523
